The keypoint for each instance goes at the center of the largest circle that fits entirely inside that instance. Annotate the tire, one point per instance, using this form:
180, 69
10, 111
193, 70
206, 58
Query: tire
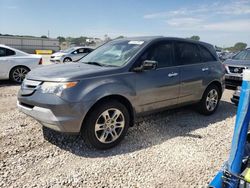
17, 74
105, 137
67, 59
210, 100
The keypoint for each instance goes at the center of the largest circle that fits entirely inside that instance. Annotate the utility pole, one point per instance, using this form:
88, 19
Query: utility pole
48, 33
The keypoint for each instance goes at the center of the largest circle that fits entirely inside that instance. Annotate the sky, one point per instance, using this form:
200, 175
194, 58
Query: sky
221, 23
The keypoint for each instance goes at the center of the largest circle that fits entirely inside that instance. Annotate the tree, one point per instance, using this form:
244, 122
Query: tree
120, 37
61, 39
239, 46
44, 36
195, 37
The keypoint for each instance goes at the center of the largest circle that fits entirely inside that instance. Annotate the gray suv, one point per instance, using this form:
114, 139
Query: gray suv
102, 95
235, 67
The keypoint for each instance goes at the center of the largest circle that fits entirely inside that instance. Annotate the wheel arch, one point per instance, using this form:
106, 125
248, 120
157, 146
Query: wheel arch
123, 100
216, 83
67, 57
16, 67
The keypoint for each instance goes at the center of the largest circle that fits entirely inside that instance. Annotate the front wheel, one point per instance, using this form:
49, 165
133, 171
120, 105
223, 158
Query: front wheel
106, 125
210, 100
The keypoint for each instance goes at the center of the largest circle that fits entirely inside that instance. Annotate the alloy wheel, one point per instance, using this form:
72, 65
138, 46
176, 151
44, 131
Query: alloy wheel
212, 100
19, 74
109, 125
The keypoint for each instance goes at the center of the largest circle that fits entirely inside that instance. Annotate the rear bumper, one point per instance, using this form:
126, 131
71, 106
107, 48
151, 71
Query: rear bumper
55, 114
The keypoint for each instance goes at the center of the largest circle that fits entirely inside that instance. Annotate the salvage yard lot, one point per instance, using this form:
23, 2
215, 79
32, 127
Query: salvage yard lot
176, 148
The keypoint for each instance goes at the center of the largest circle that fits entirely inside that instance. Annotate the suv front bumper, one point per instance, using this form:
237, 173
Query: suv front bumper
52, 112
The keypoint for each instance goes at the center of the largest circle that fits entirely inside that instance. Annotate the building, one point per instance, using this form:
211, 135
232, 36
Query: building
30, 44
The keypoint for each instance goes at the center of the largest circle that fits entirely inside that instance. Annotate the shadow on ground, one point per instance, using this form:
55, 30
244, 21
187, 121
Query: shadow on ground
4, 83
151, 130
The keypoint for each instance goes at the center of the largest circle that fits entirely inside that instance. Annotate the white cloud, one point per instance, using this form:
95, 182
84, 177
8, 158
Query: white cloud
184, 22
231, 8
234, 25
211, 17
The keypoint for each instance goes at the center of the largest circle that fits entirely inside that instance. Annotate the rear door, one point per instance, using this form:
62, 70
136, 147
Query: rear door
5, 62
158, 88
193, 71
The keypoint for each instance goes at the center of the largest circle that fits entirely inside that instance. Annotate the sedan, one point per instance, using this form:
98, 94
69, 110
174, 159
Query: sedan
15, 64
71, 54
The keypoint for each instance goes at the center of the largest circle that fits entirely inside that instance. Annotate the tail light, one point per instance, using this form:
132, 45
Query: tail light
40, 61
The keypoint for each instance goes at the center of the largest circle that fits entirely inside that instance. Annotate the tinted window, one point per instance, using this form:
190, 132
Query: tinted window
243, 55
206, 56
161, 52
81, 50
2, 52
187, 53
248, 55
10, 52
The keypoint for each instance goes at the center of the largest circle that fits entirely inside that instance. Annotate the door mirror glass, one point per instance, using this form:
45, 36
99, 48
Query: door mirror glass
146, 65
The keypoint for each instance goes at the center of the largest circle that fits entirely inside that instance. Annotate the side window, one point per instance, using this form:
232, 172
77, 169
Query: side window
2, 52
81, 50
187, 53
10, 52
248, 55
87, 50
206, 56
161, 52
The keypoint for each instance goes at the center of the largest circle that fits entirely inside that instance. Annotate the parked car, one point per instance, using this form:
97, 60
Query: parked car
235, 68
71, 54
103, 94
15, 64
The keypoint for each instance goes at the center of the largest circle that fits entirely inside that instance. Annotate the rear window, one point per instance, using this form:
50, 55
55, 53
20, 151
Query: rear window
6, 52
2, 52
187, 53
10, 52
206, 56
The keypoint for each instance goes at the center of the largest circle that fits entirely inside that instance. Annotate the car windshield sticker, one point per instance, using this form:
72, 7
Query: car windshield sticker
137, 42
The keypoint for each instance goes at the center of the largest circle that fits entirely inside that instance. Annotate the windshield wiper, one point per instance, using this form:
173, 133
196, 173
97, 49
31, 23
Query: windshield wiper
100, 64
94, 63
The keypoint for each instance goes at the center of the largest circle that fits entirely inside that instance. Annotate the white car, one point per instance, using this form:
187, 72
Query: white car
15, 64
70, 54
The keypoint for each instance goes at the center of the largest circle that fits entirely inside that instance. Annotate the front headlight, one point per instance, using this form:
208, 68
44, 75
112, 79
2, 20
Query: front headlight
56, 87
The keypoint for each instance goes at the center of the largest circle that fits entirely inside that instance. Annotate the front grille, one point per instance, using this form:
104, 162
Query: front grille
238, 70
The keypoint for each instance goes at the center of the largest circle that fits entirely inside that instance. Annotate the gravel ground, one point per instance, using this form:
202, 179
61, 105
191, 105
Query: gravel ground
177, 148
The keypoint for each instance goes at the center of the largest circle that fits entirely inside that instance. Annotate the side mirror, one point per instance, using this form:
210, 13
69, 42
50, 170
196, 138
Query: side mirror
146, 65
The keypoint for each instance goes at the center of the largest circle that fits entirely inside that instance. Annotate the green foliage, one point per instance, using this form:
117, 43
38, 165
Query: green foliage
44, 36
61, 39
195, 37
237, 47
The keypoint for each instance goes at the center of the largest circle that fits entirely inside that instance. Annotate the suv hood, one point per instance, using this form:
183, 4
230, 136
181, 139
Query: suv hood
68, 72
237, 62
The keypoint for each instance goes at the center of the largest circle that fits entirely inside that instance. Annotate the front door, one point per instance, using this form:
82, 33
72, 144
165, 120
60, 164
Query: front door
158, 88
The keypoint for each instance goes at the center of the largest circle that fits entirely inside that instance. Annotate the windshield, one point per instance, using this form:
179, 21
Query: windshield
114, 53
68, 50
243, 55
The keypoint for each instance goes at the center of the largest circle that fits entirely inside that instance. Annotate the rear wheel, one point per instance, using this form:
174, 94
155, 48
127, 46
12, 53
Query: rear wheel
106, 125
17, 74
210, 100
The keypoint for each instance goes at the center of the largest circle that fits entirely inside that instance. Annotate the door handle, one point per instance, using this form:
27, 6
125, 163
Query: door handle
173, 74
205, 69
